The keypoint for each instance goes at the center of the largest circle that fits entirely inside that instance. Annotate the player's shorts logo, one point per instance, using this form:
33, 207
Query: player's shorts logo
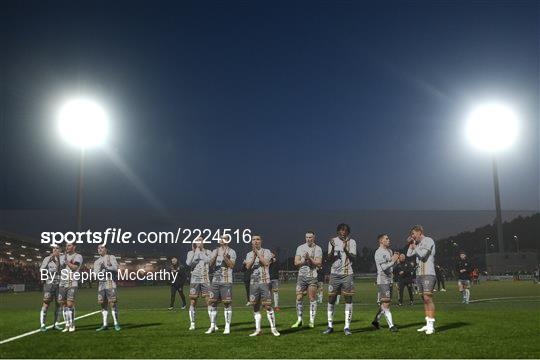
211, 294
252, 298
330, 288
192, 291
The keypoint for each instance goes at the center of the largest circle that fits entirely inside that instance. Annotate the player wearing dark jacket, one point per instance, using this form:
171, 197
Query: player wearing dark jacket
463, 271
178, 284
403, 273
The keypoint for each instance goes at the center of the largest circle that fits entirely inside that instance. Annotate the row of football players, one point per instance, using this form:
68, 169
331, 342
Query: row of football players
63, 289
341, 253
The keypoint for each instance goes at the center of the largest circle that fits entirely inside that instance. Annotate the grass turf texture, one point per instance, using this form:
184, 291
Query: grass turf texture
502, 328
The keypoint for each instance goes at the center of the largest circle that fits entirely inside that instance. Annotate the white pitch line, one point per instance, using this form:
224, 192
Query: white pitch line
507, 298
48, 327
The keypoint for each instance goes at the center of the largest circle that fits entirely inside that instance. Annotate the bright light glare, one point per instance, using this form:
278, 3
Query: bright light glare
83, 123
492, 127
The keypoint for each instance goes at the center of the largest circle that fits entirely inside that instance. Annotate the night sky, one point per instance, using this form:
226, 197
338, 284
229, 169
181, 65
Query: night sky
280, 105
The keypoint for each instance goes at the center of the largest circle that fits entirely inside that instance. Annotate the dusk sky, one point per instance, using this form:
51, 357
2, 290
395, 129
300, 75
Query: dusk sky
282, 105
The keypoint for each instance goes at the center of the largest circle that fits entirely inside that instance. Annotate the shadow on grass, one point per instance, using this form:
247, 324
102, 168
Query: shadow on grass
136, 326
405, 326
343, 322
443, 328
365, 329
111, 328
233, 325
294, 330
451, 326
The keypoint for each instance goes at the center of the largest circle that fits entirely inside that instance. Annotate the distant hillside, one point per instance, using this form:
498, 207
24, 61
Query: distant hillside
526, 229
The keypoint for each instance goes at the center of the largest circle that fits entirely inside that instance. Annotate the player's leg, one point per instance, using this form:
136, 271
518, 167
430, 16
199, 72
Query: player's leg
71, 315
212, 301
57, 315
348, 292
386, 299
312, 293
467, 291
113, 302
333, 289
461, 289
193, 295
320, 292
410, 291
47, 297
69, 309
206, 291
420, 287
443, 283
57, 307
275, 293
299, 310
212, 314
71, 296
61, 300
348, 313
430, 313
226, 296
43, 315
378, 315
426, 285
173, 297
67, 315
300, 288
255, 301
401, 287
182, 296
267, 303
103, 303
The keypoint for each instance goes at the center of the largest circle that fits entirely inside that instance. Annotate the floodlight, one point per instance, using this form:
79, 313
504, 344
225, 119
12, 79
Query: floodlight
492, 127
83, 123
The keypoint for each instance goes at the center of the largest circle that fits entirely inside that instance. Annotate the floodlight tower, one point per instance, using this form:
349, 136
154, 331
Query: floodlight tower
82, 123
493, 127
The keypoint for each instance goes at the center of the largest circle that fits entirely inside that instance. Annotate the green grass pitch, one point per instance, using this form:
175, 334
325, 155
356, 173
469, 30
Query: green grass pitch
502, 322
